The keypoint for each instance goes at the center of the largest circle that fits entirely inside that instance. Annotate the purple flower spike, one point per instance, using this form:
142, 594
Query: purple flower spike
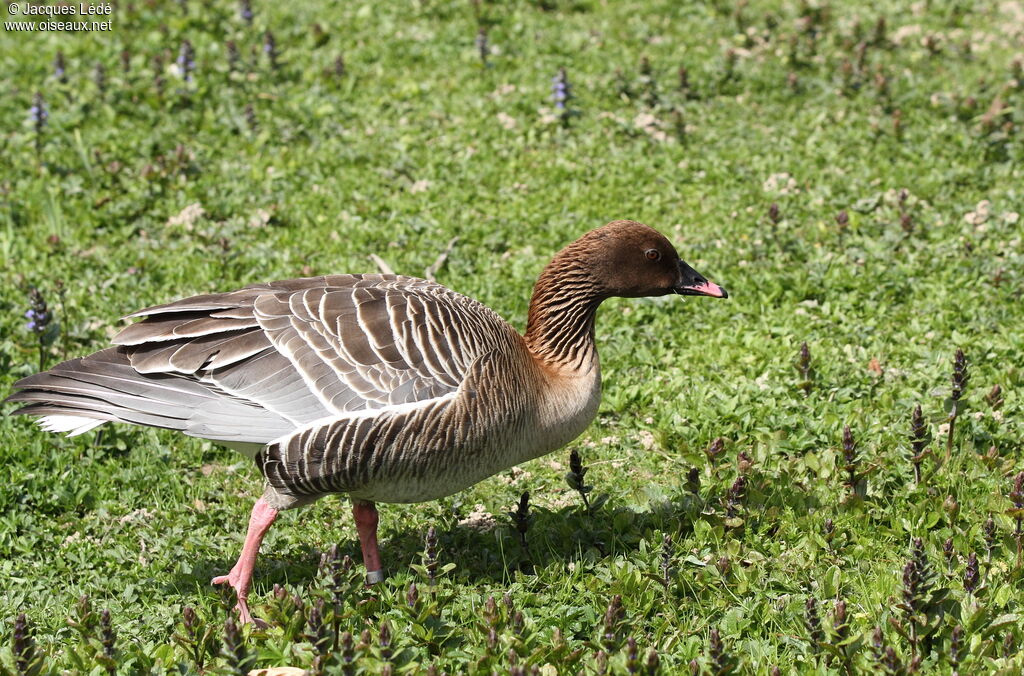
38, 115
38, 111
270, 49
40, 323
561, 91
58, 67
482, 46
186, 60
245, 11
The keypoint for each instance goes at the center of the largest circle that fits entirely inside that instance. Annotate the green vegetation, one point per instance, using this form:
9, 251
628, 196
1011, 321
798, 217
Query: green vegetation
852, 175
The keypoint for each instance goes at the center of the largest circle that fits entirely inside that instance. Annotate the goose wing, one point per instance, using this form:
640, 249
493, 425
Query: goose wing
294, 352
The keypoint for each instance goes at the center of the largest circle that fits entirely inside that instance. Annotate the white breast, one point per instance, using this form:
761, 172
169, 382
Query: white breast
568, 406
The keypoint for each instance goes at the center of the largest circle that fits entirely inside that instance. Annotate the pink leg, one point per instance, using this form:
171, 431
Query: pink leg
240, 577
366, 517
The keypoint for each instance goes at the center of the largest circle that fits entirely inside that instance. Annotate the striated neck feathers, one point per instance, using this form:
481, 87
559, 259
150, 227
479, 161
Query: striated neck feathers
560, 325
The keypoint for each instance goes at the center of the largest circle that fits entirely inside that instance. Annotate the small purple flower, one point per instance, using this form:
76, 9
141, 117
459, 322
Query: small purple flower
245, 11
482, 47
37, 321
38, 115
34, 320
38, 314
270, 48
186, 60
58, 67
38, 112
561, 91
972, 575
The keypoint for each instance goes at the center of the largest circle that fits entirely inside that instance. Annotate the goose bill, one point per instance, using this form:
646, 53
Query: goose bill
703, 289
692, 283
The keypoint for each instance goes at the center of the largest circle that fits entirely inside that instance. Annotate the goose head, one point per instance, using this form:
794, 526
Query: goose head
631, 260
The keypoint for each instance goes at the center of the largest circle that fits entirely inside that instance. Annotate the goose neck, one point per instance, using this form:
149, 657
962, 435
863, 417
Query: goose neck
560, 326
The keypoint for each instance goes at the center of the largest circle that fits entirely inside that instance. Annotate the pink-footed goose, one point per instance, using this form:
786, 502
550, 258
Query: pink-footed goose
387, 388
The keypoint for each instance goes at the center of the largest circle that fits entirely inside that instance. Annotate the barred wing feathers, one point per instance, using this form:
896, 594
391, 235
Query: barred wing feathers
254, 365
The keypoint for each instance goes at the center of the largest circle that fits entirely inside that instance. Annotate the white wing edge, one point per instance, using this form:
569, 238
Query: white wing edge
368, 413
72, 424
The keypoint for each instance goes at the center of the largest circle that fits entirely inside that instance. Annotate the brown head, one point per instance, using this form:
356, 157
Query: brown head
630, 259
623, 258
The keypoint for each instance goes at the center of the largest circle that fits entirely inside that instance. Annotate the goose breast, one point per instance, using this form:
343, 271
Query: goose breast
505, 411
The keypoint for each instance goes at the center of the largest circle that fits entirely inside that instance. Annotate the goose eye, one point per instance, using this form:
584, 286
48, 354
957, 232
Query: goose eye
653, 254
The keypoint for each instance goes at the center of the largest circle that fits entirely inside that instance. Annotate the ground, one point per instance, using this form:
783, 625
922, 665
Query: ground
888, 140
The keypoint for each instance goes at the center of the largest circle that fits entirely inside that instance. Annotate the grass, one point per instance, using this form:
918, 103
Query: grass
904, 117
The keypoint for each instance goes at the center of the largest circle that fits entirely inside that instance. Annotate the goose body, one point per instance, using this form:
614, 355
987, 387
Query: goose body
383, 387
